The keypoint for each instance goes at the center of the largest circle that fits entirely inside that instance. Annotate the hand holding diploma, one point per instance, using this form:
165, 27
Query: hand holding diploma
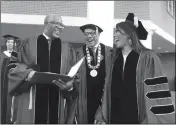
64, 85
69, 85
64, 82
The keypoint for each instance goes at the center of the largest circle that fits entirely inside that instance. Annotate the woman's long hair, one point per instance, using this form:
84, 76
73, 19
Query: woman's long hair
128, 28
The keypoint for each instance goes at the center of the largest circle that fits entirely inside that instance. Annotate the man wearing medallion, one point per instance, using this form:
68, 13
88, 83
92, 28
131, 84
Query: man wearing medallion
92, 73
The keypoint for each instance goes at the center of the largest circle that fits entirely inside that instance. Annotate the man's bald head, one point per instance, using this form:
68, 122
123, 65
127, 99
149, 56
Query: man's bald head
52, 18
53, 25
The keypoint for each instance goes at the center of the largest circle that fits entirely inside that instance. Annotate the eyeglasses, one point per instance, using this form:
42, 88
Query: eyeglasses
57, 23
91, 33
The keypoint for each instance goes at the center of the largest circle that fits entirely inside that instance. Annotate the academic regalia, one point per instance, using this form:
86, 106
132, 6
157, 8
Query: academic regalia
140, 30
154, 104
4, 69
41, 103
147, 95
4, 61
91, 26
91, 88
123, 90
95, 85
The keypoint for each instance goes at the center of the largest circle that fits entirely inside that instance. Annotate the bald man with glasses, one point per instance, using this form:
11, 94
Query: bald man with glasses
43, 103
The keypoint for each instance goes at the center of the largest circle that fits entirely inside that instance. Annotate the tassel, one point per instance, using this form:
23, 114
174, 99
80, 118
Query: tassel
64, 102
30, 99
136, 21
12, 107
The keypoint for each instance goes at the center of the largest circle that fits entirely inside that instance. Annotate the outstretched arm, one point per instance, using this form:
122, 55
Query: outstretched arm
20, 73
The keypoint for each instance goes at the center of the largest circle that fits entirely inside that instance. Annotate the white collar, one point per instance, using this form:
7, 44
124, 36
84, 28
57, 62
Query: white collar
46, 36
125, 55
7, 53
97, 45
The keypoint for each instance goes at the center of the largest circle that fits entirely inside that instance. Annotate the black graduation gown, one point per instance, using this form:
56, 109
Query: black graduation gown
47, 96
95, 84
6, 99
123, 90
4, 89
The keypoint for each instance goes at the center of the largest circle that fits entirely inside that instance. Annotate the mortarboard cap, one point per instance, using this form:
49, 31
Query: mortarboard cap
141, 31
90, 26
8, 37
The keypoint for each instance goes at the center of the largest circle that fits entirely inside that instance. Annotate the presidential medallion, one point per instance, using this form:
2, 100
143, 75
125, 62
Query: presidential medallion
93, 73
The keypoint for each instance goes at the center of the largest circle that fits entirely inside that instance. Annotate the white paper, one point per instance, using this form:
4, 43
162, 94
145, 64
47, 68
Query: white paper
75, 68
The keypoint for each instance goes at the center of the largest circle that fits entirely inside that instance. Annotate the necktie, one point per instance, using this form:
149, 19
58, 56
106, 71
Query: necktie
49, 44
94, 55
49, 49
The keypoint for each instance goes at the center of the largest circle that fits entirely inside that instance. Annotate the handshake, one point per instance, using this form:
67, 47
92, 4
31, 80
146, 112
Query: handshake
64, 82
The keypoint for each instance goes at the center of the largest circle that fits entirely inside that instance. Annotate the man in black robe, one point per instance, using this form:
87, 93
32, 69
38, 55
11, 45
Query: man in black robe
43, 103
92, 73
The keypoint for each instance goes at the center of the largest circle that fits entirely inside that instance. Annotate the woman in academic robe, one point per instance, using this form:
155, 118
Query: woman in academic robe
10, 42
136, 90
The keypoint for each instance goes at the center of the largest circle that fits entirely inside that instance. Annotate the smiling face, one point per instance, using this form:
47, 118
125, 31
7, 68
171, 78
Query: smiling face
121, 39
53, 26
91, 37
125, 36
10, 44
